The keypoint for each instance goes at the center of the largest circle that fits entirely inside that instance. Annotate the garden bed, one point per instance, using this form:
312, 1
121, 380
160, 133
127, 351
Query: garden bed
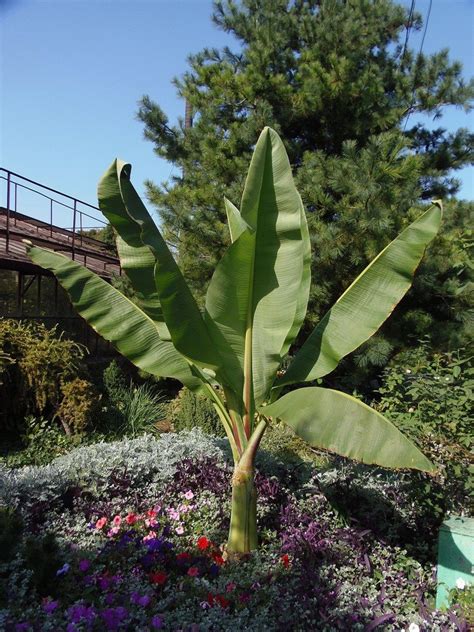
130, 536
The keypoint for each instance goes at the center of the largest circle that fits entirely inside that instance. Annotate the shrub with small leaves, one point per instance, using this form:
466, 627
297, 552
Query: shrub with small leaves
40, 361
189, 410
79, 403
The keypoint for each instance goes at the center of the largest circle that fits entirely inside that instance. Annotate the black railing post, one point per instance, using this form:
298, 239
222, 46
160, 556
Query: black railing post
51, 217
7, 238
74, 229
16, 199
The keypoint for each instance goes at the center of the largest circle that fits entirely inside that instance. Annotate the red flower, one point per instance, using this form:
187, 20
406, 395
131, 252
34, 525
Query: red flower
285, 560
183, 557
210, 599
193, 571
222, 601
218, 559
131, 518
158, 578
203, 543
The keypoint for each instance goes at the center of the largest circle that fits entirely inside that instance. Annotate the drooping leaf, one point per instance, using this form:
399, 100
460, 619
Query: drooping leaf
116, 318
123, 207
366, 304
253, 294
138, 263
337, 422
234, 220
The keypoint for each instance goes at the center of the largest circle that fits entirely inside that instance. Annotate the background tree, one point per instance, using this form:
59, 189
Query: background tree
338, 81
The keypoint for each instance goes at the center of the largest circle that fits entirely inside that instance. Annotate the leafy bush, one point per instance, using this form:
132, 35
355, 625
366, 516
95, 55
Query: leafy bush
40, 365
189, 410
41, 442
431, 394
462, 599
79, 403
134, 531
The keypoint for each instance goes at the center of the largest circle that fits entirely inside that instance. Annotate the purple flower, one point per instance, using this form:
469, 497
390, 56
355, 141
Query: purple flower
114, 616
78, 612
22, 627
104, 583
84, 565
144, 601
71, 627
63, 570
109, 598
50, 606
157, 622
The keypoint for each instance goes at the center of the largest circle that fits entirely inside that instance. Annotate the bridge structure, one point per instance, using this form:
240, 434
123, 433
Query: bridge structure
60, 222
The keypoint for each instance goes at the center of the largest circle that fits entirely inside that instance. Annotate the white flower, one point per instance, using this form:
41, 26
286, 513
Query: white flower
407, 371
413, 627
460, 583
411, 410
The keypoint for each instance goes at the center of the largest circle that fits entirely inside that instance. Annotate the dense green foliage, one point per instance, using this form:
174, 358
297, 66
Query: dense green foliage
336, 80
189, 410
42, 373
431, 395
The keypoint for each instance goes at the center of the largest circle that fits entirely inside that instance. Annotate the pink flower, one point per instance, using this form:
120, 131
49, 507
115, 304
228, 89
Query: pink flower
117, 521
193, 571
174, 515
100, 524
231, 586
113, 531
151, 522
179, 530
150, 536
189, 495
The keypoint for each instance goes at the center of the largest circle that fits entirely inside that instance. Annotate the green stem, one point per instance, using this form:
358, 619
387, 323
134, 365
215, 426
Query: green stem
243, 521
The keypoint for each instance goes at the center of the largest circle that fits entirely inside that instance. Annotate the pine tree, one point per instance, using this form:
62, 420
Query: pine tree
336, 80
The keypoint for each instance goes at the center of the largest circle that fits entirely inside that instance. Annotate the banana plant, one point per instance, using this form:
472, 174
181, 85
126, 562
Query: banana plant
256, 302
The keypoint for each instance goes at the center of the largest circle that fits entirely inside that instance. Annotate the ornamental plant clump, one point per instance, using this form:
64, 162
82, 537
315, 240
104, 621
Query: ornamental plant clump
255, 306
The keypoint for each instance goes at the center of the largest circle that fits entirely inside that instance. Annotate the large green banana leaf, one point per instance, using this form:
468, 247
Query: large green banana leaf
122, 206
253, 294
342, 424
303, 295
138, 263
116, 318
366, 304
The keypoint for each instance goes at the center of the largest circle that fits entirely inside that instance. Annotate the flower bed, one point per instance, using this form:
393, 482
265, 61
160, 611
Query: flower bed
139, 530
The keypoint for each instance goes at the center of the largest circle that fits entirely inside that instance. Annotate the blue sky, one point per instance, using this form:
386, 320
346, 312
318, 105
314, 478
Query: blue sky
72, 71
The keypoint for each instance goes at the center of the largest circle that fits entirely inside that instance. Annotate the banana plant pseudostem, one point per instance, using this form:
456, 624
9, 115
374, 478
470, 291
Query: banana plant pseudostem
255, 306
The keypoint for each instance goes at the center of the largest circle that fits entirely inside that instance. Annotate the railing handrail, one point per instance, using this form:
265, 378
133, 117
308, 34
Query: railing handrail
43, 186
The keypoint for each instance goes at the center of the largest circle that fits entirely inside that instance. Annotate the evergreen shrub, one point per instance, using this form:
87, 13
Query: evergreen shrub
189, 410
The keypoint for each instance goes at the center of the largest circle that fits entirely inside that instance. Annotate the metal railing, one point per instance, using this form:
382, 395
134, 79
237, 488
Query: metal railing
16, 182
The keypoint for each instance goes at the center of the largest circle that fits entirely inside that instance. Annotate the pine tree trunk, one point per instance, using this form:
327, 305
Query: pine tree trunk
243, 519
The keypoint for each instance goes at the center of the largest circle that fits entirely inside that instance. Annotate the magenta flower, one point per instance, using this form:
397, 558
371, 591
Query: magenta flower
189, 495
